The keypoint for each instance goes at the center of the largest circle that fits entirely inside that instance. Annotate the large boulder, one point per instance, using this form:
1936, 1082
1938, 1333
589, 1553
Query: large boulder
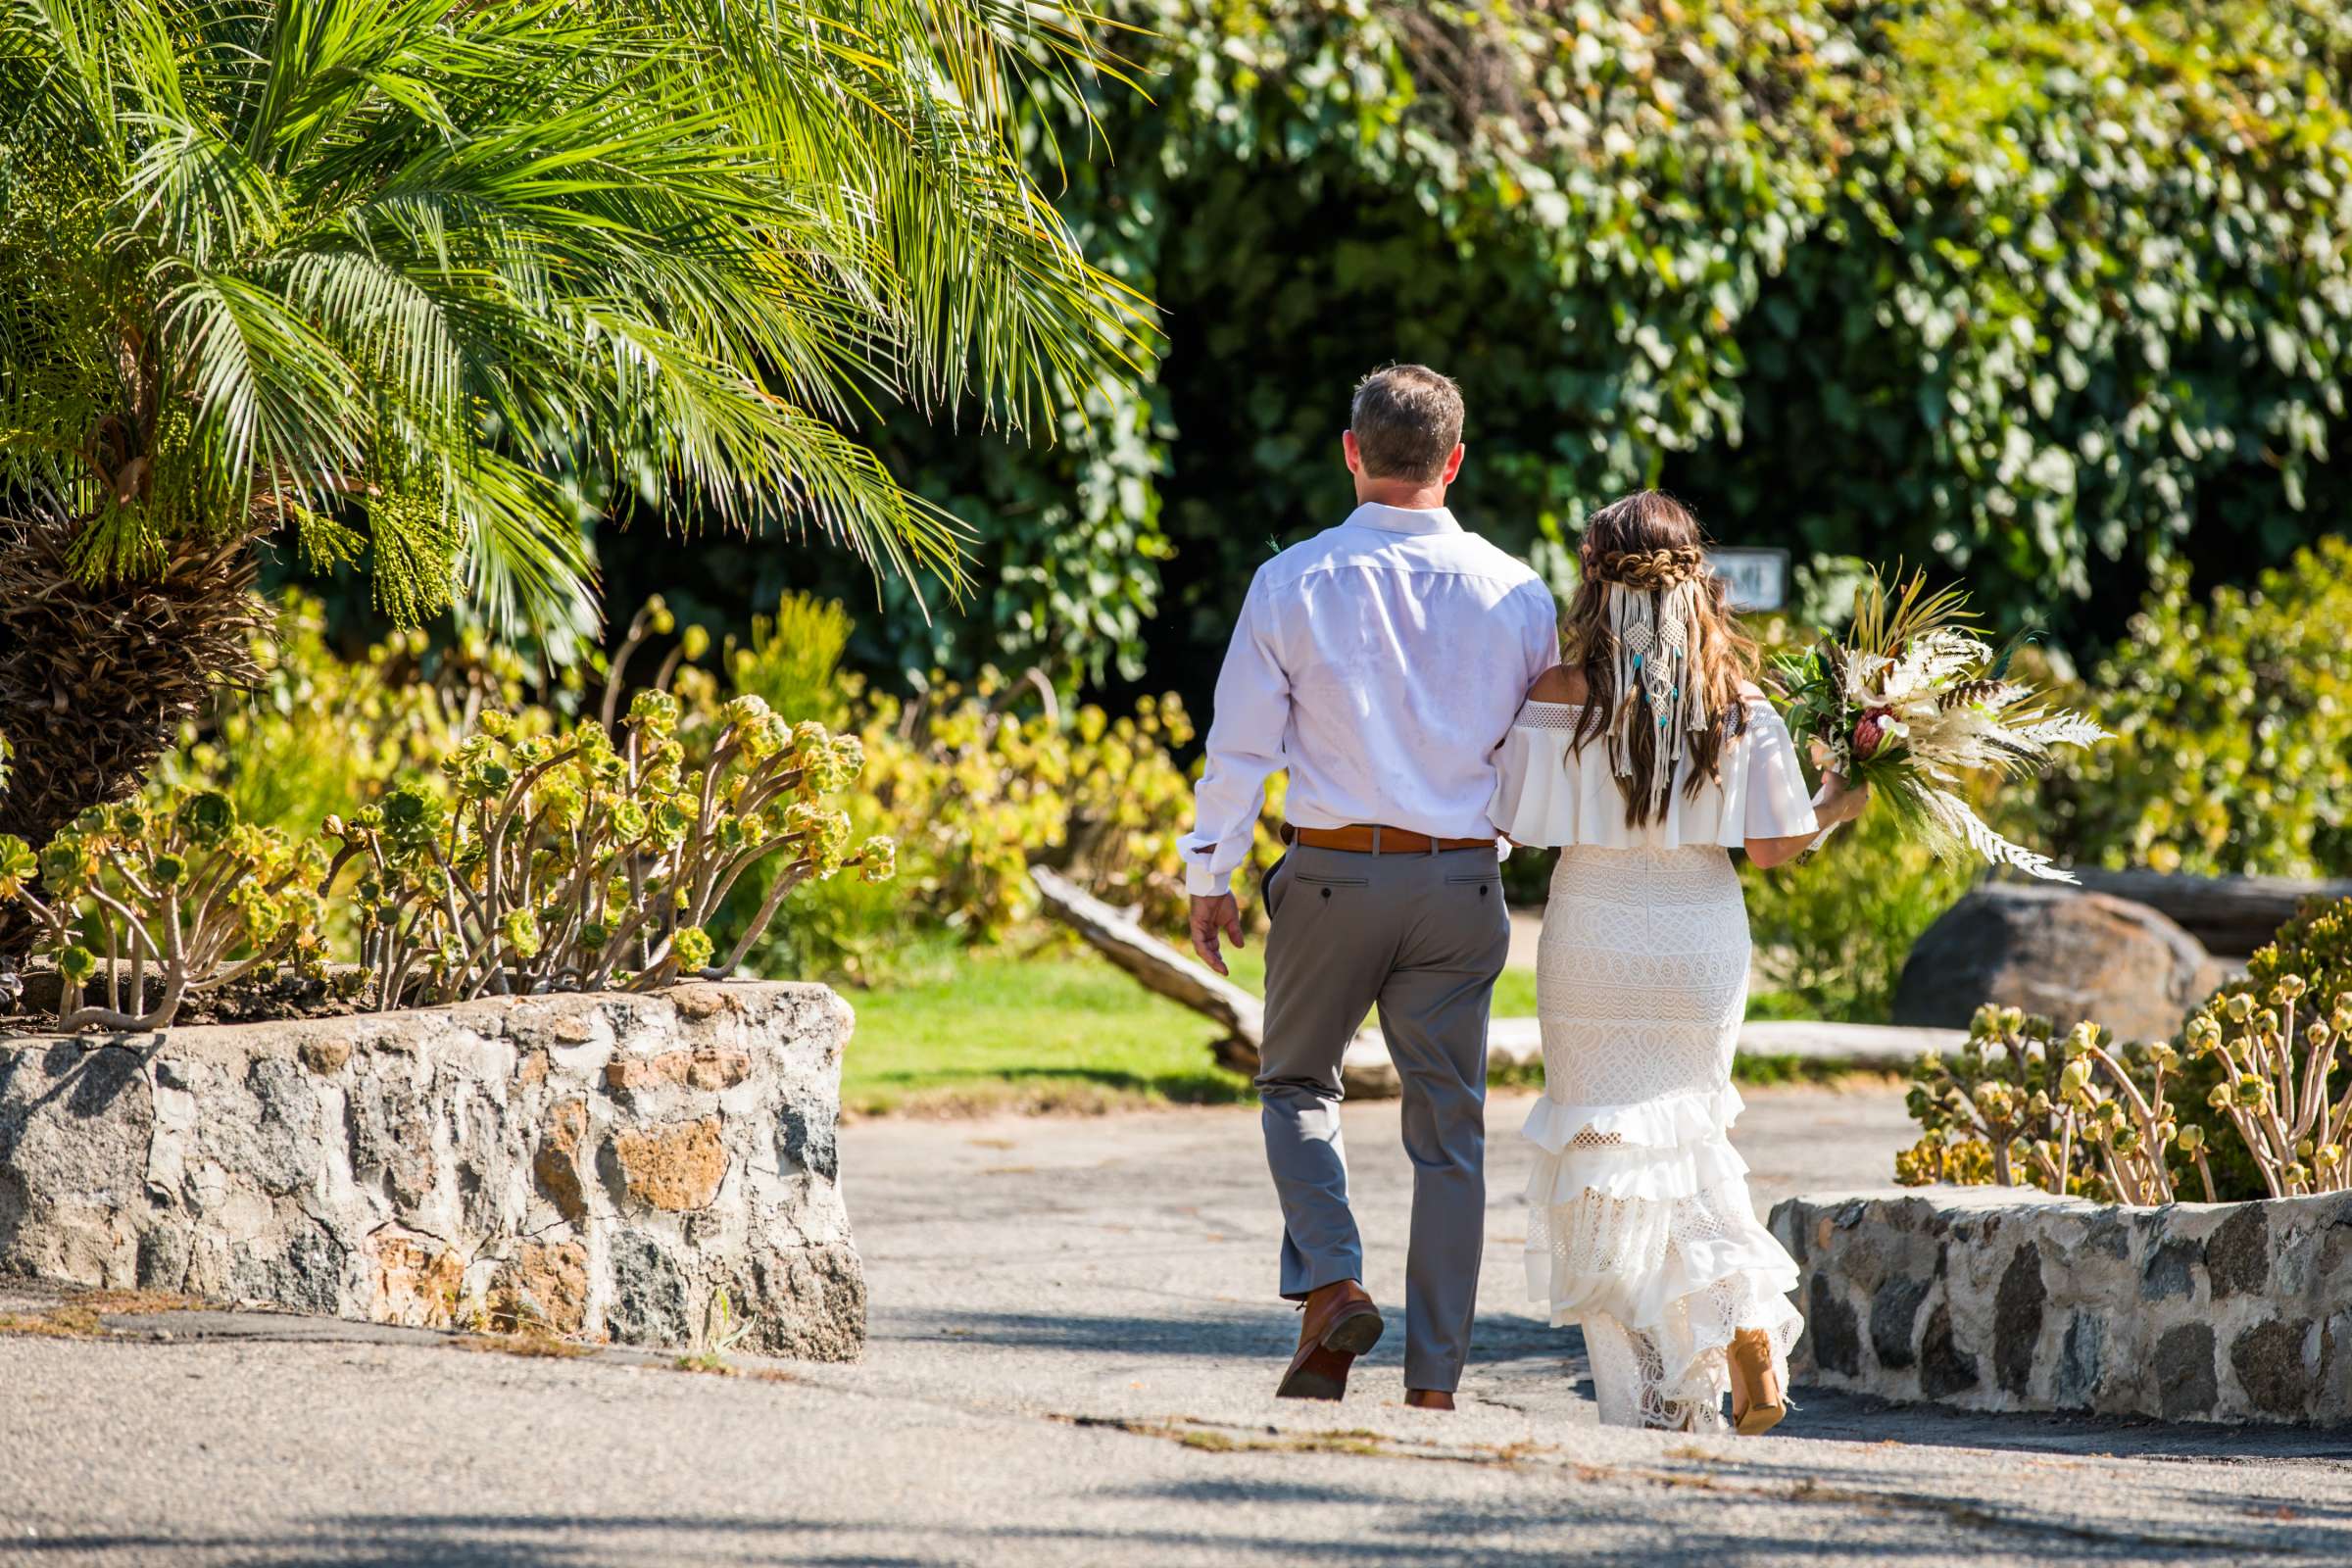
2060, 952
598, 1165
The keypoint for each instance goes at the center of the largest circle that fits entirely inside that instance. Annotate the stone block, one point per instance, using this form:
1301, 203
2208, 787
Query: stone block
2008, 1298
601, 1165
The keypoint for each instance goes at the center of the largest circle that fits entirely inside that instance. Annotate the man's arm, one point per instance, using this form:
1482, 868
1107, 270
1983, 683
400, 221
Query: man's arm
1543, 630
1245, 746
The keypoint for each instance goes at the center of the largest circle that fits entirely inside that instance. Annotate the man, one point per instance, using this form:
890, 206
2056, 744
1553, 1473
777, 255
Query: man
1382, 662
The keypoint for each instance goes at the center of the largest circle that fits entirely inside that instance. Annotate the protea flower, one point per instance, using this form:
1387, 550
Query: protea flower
1872, 733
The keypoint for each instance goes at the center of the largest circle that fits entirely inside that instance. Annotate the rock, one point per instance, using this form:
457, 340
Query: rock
2267, 1359
1836, 1344
2184, 1369
2171, 1269
1894, 1318
2237, 1255
325, 1056
2059, 952
697, 1070
557, 1164
416, 1280
2080, 1359
440, 1167
2017, 1318
677, 1167
544, 1286
1944, 1370
649, 1295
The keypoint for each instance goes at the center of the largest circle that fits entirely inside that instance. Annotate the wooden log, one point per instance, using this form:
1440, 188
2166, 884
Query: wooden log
1120, 937
2230, 914
1365, 1071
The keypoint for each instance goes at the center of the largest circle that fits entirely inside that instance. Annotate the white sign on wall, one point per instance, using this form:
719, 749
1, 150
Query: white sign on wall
1756, 579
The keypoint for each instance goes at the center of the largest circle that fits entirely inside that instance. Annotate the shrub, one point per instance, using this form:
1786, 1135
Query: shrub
394, 711
2233, 724
190, 891
1834, 930
589, 859
2255, 1090
2019, 1107
2314, 949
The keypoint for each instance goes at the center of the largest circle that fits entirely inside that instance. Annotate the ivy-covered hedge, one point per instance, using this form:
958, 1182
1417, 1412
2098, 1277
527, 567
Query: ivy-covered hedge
2050, 291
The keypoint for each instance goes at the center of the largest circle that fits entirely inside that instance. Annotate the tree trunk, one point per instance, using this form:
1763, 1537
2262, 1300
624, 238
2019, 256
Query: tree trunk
96, 678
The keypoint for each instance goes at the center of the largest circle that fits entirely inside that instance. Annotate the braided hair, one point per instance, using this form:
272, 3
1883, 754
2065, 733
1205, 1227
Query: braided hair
1649, 544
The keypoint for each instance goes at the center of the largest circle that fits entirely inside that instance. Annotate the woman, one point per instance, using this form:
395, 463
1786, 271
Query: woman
1647, 755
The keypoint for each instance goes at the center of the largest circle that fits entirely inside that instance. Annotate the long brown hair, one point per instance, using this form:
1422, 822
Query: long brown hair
1649, 543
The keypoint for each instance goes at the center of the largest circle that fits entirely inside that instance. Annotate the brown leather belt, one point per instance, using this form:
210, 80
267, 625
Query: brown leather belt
1372, 838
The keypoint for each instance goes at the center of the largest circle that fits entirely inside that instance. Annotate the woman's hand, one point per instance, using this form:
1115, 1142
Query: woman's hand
1837, 802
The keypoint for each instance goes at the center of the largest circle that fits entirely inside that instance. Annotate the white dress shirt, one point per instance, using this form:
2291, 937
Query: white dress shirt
1382, 662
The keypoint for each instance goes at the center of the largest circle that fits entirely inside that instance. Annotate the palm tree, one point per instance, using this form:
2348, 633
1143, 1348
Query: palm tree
379, 281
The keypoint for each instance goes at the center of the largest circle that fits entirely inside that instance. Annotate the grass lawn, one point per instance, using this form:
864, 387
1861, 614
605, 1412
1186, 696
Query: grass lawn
1059, 1028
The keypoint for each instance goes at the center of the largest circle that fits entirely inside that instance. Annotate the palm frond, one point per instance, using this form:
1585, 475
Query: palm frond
391, 269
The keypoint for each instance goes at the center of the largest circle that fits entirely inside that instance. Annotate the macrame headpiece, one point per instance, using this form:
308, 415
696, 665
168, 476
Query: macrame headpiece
1653, 621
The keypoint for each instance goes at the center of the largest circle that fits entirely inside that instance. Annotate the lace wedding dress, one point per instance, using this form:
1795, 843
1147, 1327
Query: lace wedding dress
1639, 1227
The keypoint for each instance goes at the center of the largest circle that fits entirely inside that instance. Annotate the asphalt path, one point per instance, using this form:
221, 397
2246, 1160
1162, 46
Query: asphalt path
1073, 1345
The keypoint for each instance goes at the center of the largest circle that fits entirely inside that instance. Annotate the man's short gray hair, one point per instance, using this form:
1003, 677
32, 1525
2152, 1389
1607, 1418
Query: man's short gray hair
1407, 420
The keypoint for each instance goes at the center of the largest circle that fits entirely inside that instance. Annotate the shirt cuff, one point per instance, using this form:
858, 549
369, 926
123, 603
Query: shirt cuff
1202, 882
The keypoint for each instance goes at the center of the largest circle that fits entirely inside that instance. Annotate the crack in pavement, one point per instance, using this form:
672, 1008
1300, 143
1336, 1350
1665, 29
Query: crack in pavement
1212, 1437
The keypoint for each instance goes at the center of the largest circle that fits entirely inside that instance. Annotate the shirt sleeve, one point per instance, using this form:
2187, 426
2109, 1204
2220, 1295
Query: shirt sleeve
1778, 806
1541, 632
1245, 746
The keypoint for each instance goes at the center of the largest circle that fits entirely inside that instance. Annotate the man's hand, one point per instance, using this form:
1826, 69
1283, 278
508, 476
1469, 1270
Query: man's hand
1222, 913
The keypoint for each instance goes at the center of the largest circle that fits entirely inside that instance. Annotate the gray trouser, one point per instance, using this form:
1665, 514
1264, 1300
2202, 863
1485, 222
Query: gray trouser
1423, 937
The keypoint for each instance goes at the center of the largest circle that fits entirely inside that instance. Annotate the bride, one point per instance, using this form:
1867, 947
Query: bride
1645, 756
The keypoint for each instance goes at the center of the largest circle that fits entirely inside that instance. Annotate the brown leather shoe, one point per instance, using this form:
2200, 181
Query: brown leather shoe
1428, 1399
1340, 1324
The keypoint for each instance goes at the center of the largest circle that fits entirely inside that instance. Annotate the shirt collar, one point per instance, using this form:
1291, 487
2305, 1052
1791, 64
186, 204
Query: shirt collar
1402, 519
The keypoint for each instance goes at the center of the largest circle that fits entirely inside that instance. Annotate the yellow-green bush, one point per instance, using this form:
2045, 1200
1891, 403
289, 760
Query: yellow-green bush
974, 783
322, 735
2233, 724
1833, 931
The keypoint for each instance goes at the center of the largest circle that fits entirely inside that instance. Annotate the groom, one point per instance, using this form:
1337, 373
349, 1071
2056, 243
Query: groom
1382, 662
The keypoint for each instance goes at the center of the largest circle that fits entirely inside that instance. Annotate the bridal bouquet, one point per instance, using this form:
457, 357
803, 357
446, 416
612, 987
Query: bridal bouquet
1913, 702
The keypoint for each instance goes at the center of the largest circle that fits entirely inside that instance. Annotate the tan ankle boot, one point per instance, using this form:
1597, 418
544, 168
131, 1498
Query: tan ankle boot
1757, 1399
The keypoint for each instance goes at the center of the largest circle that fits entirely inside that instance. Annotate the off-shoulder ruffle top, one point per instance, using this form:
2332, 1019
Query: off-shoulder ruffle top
1548, 793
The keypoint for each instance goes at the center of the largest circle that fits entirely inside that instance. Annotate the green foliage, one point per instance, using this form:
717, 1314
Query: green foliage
392, 713
1835, 928
187, 891
596, 859
974, 791
2020, 1107
2316, 949
970, 785
2252, 1102
2233, 724
423, 282
2032, 289
592, 856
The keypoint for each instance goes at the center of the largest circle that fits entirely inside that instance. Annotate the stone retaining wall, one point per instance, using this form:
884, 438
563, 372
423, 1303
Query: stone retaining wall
602, 1165
2007, 1299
